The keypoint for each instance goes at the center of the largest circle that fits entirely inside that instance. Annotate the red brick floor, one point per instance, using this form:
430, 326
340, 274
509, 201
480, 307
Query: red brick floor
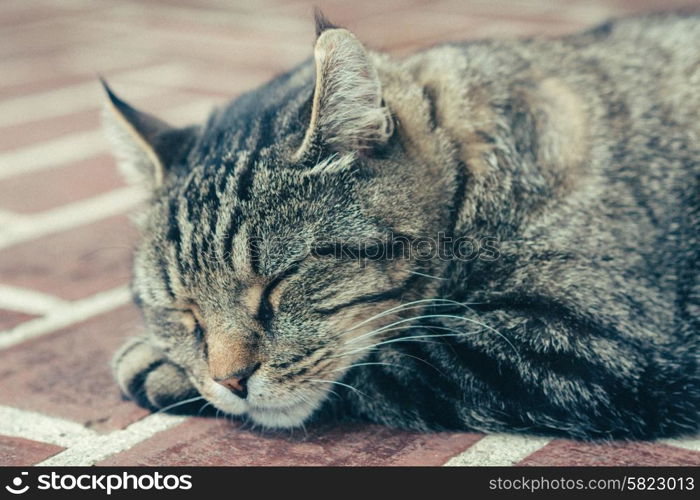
18, 451
65, 238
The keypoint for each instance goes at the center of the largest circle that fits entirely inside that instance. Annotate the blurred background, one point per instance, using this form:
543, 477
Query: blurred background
65, 237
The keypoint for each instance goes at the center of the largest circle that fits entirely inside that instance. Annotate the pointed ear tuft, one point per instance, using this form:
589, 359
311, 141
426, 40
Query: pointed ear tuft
348, 113
322, 22
144, 145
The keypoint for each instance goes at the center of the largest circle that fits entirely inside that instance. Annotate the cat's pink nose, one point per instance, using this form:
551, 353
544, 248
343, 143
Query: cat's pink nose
238, 382
236, 385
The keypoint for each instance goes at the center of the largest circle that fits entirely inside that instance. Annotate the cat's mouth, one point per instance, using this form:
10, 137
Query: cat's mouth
224, 399
275, 414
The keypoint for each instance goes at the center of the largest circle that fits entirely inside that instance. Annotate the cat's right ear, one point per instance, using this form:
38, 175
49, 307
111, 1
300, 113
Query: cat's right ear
348, 113
145, 147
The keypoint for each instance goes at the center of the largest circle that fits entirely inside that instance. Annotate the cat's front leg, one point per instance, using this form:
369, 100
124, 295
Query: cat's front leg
147, 376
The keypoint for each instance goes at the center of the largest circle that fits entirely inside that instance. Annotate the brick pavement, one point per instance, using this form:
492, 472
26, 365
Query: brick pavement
65, 238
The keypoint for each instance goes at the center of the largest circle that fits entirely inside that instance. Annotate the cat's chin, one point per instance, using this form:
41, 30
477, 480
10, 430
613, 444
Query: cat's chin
293, 415
286, 417
281, 418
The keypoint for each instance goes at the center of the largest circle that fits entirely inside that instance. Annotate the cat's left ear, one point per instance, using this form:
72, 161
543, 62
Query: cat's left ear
348, 112
146, 147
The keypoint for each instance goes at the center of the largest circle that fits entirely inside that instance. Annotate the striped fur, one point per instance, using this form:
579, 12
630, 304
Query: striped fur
571, 165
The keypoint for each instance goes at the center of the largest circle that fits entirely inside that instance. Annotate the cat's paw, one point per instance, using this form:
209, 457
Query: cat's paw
146, 376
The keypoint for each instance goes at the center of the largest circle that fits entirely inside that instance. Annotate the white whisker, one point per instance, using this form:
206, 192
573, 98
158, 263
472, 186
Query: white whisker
203, 407
428, 275
338, 383
362, 364
412, 338
435, 316
398, 322
179, 403
431, 327
407, 306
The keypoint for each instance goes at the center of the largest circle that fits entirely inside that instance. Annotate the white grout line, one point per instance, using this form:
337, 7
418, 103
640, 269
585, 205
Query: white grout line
54, 152
82, 145
8, 218
76, 62
74, 312
28, 301
72, 215
499, 449
37, 427
91, 451
247, 13
83, 96
692, 444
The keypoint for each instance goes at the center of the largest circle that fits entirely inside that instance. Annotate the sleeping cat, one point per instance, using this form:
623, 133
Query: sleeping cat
495, 236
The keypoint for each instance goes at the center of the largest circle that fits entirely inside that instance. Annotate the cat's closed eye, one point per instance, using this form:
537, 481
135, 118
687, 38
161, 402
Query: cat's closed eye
268, 303
270, 297
192, 320
359, 251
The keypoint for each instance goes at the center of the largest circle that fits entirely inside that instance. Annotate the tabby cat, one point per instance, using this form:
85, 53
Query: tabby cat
493, 235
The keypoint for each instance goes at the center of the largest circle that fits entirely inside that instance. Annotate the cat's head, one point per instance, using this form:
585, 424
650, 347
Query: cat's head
279, 243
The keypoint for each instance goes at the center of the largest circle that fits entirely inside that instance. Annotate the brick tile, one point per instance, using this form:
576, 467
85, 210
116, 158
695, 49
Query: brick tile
45, 71
404, 26
47, 37
344, 13
75, 263
635, 6
19, 452
27, 14
240, 49
10, 319
202, 441
39, 191
34, 132
64, 68
539, 11
66, 373
31, 133
40, 85
222, 21
573, 453
417, 27
211, 79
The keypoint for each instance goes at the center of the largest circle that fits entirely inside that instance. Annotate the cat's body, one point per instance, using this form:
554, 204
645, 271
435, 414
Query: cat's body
575, 162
